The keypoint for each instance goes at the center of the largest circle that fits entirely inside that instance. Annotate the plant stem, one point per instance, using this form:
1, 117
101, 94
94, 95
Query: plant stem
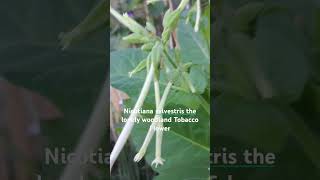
183, 4
204, 104
165, 95
124, 135
188, 81
169, 58
304, 135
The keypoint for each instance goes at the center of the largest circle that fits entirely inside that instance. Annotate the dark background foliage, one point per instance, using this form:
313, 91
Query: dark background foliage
31, 57
266, 85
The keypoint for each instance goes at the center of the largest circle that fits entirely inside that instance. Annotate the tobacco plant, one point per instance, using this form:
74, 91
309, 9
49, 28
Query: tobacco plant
176, 61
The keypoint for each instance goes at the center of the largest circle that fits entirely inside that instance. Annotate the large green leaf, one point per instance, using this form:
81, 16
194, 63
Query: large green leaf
245, 15
183, 98
246, 64
193, 47
251, 122
199, 78
232, 76
121, 63
96, 19
185, 148
281, 55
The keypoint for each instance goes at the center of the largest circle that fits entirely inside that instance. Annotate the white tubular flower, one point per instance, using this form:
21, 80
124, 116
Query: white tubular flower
130, 123
151, 130
157, 161
146, 141
197, 24
159, 133
156, 92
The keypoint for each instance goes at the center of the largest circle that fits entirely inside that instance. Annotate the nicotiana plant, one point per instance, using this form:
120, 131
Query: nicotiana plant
174, 56
166, 65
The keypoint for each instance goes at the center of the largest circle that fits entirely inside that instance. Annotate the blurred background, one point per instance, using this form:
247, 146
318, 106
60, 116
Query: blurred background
47, 94
266, 86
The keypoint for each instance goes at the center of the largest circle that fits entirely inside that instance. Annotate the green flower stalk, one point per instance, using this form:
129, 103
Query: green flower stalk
182, 5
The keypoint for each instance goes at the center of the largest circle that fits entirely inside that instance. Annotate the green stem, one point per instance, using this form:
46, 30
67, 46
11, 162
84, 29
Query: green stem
183, 4
304, 135
169, 58
188, 81
204, 104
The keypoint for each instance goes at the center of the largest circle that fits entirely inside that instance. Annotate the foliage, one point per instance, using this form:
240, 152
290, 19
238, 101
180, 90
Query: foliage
266, 78
71, 79
186, 145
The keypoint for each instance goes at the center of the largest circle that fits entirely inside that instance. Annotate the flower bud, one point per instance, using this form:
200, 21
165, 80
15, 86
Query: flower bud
150, 27
136, 38
138, 68
127, 21
147, 46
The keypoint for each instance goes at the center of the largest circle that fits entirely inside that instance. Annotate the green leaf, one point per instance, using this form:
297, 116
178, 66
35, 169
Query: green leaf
281, 55
96, 19
150, 27
142, 65
166, 18
183, 98
193, 47
246, 15
199, 78
136, 38
243, 70
147, 46
185, 148
251, 122
122, 62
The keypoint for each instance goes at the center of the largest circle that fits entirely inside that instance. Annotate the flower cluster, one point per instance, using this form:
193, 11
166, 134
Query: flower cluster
159, 56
